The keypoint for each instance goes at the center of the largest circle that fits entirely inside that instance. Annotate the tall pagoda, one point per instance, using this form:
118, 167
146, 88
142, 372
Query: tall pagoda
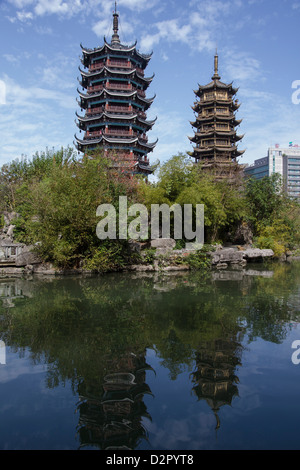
215, 136
115, 103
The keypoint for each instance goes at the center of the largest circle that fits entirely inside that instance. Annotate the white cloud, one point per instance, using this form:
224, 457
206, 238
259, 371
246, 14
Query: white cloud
242, 66
198, 29
24, 16
169, 30
11, 58
2, 92
36, 117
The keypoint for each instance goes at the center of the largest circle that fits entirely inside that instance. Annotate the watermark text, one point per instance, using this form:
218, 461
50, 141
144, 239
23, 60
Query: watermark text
135, 222
2, 353
296, 354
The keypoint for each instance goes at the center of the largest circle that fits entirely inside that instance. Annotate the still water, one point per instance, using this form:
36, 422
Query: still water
158, 362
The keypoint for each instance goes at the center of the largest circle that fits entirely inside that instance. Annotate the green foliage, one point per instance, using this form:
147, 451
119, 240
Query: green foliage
275, 237
265, 199
106, 259
175, 175
199, 260
56, 195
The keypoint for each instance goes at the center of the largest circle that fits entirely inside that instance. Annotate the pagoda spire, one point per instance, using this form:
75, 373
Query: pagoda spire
115, 37
216, 75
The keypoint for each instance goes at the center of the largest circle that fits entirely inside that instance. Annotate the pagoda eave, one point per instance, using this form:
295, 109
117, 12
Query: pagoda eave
215, 148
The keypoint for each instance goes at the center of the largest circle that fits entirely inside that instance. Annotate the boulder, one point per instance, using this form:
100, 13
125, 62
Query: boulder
243, 235
257, 253
10, 231
163, 243
227, 255
44, 268
27, 257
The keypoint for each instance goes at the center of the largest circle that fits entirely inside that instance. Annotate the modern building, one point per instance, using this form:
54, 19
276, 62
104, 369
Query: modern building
115, 103
284, 161
215, 125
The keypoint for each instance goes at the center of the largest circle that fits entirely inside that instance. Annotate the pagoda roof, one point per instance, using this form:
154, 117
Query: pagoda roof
146, 168
215, 84
219, 149
112, 140
116, 93
232, 103
201, 135
115, 116
218, 117
116, 47
116, 72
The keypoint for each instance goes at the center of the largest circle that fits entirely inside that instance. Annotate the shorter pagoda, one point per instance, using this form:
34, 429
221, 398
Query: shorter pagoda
215, 136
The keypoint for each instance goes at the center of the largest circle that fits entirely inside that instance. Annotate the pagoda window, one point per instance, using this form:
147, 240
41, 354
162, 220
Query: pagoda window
209, 96
222, 126
208, 127
221, 95
206, 143
222, 110
222, 142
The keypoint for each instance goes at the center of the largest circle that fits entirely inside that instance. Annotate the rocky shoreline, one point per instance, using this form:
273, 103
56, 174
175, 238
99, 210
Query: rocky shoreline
17, 259
165, 259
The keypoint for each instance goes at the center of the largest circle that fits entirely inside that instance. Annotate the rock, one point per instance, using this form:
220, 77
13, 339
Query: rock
293, 258
27, 257
44, 268
222, 266
134, 246
180, 267
162, 251
141, 267
163, 243
257, 253
10, 271
243, 235
227, 255
10, 231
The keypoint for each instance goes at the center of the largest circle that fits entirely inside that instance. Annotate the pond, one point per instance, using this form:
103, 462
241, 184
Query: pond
152, 361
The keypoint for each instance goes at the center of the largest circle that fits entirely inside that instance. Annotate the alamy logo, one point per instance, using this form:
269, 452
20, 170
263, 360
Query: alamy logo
296, 354
296, 94
133, 222
2, 353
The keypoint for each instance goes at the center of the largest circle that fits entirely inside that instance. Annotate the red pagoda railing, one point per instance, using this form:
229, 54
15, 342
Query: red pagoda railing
118, 63
99, 65
110, 132
95, 110
120, 109
119, 86
120, 133
95, 88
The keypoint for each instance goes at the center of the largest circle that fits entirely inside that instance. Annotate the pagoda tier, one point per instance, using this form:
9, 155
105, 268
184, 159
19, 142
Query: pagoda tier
115, 103
215, 135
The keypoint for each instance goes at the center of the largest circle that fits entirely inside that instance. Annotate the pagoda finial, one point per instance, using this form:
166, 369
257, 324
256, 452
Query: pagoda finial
216, 75
115, 37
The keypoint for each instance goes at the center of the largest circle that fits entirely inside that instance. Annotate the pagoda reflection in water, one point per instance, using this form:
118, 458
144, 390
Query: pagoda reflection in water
112, 417
214, 378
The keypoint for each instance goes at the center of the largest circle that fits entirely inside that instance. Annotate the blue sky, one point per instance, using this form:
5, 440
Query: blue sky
258, 45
